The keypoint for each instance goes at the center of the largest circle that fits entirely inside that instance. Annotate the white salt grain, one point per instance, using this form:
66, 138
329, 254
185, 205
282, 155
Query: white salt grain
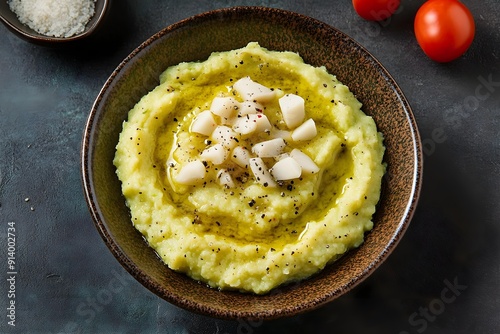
58, 18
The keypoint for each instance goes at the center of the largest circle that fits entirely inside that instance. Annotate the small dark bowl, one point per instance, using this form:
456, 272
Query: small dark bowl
226, 29
12, 22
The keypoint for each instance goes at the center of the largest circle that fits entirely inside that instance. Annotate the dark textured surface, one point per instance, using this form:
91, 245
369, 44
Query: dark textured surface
69, 282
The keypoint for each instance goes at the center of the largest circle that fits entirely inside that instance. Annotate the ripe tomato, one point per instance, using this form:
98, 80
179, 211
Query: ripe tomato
375, 10
444, 29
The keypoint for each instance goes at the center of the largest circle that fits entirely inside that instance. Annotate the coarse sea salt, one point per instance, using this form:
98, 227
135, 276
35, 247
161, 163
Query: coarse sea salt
57, 18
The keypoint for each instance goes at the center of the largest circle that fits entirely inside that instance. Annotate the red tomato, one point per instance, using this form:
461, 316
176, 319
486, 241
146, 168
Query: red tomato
444, 29
375, 10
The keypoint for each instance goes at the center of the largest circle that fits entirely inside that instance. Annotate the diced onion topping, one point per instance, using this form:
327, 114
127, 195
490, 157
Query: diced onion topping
241, 156
250, 107
306, 131
216, 154
261, 173
204, 123
225, 136
293, 110
191, 173
306, 163
269, 148
253, 91
225, 107
230, 122
286, 169
225, 178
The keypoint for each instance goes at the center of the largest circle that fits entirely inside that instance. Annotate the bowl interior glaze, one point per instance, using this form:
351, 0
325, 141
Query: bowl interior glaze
194, 39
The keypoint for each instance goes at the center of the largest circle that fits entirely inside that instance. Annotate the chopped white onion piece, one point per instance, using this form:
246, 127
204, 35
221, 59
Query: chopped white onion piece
252, 123
225, 107
262, 175
204, 123
216, 154
240, 156
286, 169
276, 133
253, 91
293, 110
191, 173
245, 125
262, 122
250, 107
306, 131
225, 178
306, 163
225, 136
269, 148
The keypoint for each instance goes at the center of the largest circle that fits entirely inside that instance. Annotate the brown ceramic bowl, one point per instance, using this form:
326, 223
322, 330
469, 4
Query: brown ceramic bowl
194, 39
12, 22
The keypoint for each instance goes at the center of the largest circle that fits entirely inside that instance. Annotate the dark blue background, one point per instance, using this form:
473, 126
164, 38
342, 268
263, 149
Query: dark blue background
68, 281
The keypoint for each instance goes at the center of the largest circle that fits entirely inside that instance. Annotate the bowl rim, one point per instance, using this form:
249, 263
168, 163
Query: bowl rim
286, 311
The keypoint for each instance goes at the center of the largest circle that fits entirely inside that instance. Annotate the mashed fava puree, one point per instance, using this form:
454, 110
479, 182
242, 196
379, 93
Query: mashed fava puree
241, 233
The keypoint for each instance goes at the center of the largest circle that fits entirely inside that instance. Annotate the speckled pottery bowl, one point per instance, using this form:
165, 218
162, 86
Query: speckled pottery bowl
222, 30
